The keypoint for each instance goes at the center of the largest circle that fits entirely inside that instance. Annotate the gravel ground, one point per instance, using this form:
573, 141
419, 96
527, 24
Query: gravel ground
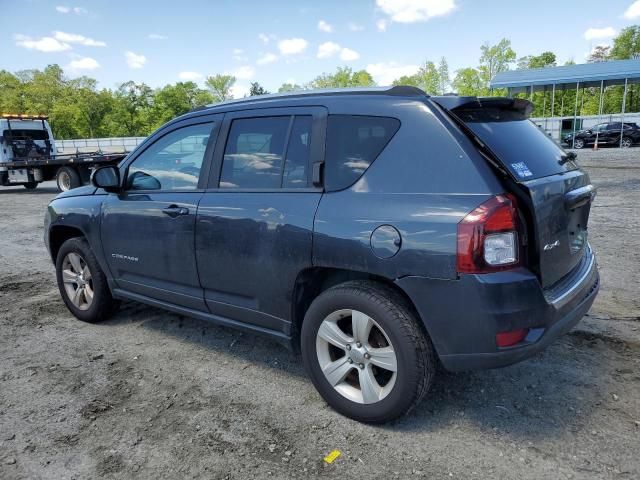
150, 394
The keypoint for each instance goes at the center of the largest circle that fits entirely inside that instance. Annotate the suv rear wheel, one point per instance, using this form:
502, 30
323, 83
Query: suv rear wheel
82, 284
365, 352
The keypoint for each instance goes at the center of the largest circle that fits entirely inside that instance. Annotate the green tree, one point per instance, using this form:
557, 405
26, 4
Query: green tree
495, 59
342, 78
468, 82
545, 59
289, 87
443, 76
220, 87
257, 89
627, 43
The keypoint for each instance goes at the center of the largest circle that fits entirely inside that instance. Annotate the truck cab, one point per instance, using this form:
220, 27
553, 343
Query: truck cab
24, 136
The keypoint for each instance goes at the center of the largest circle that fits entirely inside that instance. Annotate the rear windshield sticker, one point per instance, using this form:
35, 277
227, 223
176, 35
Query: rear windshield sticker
521, 169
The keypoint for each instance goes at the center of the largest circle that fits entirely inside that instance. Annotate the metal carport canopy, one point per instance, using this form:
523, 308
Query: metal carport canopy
586, 75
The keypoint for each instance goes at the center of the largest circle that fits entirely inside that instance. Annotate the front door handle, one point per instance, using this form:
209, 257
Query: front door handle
174, 211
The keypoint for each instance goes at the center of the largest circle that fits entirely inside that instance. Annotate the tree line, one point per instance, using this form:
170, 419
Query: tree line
77, 108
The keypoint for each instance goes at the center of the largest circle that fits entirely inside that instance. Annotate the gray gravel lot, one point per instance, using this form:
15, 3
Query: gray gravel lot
149, 394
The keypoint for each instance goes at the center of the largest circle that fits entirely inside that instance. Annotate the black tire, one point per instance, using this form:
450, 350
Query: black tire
31, 185
627, 142
578, 143
67, 178
103, 304
416, 361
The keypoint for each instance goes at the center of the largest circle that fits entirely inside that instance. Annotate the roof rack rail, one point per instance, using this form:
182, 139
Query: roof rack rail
398, 90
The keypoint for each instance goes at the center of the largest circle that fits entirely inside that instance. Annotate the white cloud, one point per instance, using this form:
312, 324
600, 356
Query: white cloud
135, 60
384, 73
156, 36
264, 38
238, 55
355, 27
84, 63
267, 59
244, 73
190, 76
382, 25
328, 49
291, 46
239, 91
66, 9
410, 11
599, 33
325, 27
348, 55
633, 12
79, 39
44, 44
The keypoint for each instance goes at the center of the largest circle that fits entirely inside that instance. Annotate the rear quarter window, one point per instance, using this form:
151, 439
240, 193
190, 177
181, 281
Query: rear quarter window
353, 143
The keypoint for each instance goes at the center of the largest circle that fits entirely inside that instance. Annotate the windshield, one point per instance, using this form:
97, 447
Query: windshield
523, 147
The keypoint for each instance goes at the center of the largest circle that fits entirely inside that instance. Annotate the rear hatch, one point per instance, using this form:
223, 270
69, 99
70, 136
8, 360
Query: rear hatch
558, 193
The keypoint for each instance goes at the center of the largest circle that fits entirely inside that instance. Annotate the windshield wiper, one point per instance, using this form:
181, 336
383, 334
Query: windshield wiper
569, 157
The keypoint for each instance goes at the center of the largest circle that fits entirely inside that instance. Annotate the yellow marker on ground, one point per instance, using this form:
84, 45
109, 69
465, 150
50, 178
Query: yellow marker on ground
332, 456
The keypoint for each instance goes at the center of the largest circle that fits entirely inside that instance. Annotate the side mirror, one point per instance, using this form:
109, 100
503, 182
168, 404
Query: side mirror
107, 178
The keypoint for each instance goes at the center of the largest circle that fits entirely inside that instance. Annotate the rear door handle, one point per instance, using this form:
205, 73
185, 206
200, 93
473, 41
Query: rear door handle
174, 211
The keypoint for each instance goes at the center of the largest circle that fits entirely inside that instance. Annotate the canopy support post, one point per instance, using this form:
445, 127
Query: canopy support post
600, 110
575, 115
624, 106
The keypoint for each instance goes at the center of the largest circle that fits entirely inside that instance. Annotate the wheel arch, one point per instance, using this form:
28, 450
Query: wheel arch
58, 234
312, 281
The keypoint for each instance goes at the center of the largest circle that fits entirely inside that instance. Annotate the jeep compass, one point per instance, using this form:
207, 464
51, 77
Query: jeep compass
381, 232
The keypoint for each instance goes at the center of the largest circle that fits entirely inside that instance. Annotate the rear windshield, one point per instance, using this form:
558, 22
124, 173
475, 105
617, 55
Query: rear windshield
16, 133
522, 147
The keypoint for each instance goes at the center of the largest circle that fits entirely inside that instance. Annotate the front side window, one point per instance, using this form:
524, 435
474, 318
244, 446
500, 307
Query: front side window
173, 162
267, 153
353, 143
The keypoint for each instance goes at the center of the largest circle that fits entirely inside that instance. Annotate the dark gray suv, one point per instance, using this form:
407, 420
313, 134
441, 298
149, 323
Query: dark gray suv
379, 231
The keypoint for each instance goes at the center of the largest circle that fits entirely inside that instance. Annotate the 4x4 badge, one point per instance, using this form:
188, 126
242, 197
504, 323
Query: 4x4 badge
551, 246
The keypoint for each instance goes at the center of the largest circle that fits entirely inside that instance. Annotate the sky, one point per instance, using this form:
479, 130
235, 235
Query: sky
274, 42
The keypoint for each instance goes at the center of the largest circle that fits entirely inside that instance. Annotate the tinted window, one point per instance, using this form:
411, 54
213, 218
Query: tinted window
614, 126
353, 143
522, 147
173, 162
255, 149
298, 152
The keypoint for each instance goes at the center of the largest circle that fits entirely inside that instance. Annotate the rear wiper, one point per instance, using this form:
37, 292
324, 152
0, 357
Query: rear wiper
569, 157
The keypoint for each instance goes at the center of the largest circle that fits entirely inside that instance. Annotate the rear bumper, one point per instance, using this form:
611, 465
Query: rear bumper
463, 316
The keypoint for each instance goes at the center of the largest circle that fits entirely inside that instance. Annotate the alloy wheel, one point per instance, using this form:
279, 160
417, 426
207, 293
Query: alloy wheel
626, 143
356, 356
77, 280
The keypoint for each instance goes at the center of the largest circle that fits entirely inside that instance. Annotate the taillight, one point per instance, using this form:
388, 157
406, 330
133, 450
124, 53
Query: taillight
488, 237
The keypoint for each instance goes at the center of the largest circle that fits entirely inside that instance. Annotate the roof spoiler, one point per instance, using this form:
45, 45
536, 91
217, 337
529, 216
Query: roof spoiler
453, 103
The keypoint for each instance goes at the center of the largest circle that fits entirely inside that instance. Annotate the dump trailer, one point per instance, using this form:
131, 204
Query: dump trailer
28, 155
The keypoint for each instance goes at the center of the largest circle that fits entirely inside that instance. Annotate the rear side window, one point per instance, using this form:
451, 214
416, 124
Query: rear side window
267, 153
353, 143
520, 145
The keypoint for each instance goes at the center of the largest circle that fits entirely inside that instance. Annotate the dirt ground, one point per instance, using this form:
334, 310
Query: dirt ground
149, 394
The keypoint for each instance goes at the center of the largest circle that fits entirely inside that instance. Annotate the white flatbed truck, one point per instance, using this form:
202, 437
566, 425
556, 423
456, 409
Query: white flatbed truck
28, 155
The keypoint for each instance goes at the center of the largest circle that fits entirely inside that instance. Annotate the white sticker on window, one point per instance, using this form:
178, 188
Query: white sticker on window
521, 169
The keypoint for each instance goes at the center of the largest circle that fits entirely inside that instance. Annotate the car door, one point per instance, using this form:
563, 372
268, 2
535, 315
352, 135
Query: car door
255, 222
148, 229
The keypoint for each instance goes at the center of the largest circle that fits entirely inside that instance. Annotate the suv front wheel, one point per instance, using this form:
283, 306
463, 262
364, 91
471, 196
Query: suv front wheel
82, 284
365, 352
